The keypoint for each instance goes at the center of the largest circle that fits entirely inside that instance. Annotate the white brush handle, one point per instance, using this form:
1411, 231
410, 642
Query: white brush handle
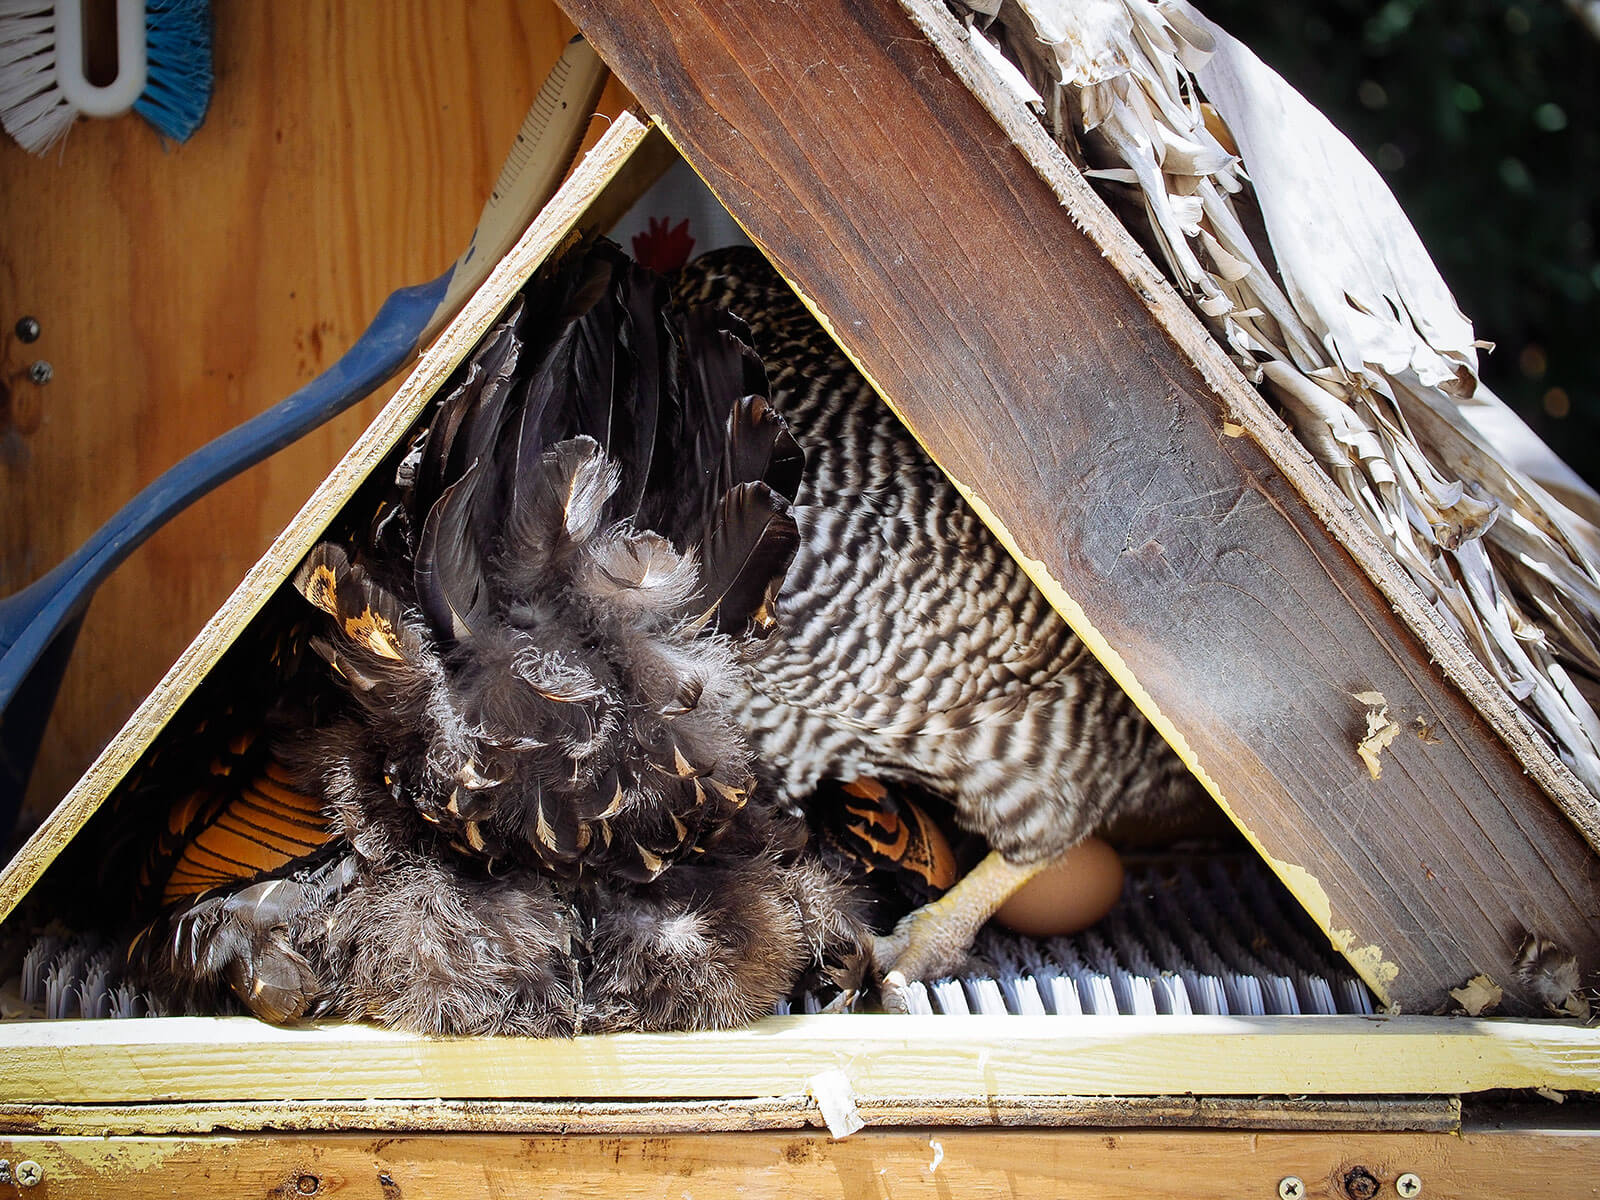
116, 97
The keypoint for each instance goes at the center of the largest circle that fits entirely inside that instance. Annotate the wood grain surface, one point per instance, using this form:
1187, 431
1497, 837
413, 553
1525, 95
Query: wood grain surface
1044, 383
1055, 1165
182, 289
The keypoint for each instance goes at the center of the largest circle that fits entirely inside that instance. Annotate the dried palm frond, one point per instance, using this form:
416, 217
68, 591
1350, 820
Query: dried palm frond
1302, 263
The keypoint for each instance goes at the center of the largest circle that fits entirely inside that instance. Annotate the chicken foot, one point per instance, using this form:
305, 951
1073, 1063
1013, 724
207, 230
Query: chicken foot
933, 940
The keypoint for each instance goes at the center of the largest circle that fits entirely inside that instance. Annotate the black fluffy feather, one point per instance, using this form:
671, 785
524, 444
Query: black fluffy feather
543, 798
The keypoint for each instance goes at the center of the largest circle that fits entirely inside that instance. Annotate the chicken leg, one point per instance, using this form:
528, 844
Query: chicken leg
933, 940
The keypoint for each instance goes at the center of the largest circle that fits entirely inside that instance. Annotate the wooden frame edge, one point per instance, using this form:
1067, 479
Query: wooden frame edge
1437, 1114
898, 1058
1518, 1163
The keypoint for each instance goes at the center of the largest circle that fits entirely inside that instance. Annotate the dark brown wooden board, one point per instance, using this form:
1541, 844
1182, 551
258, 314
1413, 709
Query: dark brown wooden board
842, 139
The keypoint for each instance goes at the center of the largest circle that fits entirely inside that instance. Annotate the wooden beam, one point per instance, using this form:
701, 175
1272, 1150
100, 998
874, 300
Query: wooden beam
1435, 1114
1519, 1164
1055, 393
905, 1058
554, 224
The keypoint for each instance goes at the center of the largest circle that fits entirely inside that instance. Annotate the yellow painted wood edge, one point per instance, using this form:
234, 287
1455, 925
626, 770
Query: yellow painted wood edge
890, 1057
1369, 961
552, 226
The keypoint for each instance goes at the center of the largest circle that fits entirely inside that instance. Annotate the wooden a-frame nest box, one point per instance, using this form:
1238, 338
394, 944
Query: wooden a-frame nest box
963, 263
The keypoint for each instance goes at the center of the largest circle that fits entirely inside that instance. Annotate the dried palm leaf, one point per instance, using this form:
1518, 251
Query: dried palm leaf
1301, 262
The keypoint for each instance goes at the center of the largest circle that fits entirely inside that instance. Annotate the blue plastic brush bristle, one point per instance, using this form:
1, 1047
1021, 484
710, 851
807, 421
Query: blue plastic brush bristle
178, 48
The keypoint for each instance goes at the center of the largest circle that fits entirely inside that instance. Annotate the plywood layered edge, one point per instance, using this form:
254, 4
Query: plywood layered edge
554, 224
1039, 358
889, 1058
1435, 1114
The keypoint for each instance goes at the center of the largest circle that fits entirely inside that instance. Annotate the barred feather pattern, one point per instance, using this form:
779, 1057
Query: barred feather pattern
913, 647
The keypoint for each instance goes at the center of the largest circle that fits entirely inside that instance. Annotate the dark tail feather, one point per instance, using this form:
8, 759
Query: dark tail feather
610, 371
748, 549
482, 436
451, 589
719, 365
576, 283
648, 346
574, 306
717, 368
596, 373
760, 449
467, 423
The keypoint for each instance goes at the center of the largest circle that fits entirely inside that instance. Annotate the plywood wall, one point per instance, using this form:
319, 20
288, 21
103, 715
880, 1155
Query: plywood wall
182, 289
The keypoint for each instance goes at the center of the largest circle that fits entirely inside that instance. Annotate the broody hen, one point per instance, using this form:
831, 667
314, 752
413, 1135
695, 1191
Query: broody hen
541, 804
542, 781
914, 648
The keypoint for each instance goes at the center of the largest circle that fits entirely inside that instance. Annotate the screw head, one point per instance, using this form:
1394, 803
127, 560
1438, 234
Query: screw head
1408, 1185
41, 372
1291, 1188
29, 1173
5, 1170
28, 330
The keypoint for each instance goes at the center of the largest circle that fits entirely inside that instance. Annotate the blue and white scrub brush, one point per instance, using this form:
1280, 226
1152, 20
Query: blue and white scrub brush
163, 68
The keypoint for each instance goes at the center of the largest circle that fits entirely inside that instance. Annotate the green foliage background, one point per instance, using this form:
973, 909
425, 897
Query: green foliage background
1481, 115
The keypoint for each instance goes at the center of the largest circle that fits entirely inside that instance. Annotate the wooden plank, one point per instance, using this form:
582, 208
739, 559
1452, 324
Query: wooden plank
1393, 1113
1519, 1164
553, 225
182, 289
889, 1057
1259, 420
1048, 389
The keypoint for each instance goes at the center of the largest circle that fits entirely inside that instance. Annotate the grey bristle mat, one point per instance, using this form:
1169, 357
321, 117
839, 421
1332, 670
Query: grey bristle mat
1219, 936
79, 976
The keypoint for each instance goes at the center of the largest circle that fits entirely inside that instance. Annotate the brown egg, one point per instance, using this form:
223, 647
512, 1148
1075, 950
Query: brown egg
1070, 895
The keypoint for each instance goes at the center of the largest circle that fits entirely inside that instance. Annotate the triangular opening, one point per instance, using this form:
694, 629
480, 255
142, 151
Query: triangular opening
1202, 927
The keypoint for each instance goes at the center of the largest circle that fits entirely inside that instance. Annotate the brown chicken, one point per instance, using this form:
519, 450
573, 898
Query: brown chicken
915, 649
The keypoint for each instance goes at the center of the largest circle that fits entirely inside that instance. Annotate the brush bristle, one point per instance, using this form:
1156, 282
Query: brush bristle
178, 49
32, 108
79, 975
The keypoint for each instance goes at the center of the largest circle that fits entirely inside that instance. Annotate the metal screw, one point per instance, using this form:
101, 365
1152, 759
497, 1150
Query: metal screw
41, 372
1408, 1185
1290, 1188
29, 1173
5, 1170
28, 330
